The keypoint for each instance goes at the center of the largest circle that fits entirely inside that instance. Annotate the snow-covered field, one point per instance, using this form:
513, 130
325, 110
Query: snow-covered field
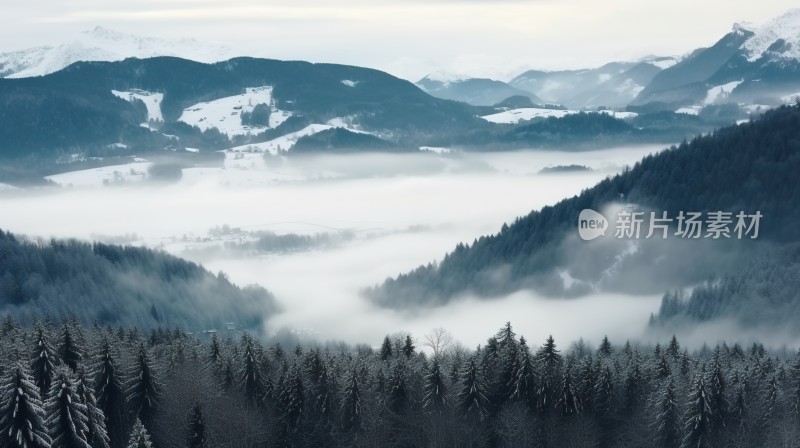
224, 114
151, 100
514, 116
720, 92
103, 176
282, 143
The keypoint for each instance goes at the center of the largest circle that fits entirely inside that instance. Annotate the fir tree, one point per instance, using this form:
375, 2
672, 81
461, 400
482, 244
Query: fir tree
68, 350
351, 405
386, 349
97, 435
472, 397
435, 399
42, 366
398, 394
22, 422
196, 432
250, 377
698, 416
142, 389
605, 348
568, 403
408, 347
668, 425
68, 415
139, 438
110, 396
524, 386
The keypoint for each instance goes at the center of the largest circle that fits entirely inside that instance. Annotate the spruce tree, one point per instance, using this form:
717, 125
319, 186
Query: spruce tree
42, 363
22, 414
142, 390
97, 435
110, 396
68, 349
250, 377
524, 385
398, 393
67, 414
472, 400
386, 349
698, 416
668, 425
139, 438
408, 347
435, 399
351, 405
196, 432
568, 403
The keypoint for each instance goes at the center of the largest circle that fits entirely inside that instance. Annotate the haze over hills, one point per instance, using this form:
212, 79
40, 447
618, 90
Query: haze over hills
101, 44
749, 167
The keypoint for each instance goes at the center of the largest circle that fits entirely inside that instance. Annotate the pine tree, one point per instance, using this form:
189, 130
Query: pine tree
668, 425
698, 416
97, 435
68, 415
472, 398
398, 394
524, 386
408, 347
142, 389
250, 377
386, 349
68, 350
140, 438
42, 366
196, 432
22, 422
568, 403
435, 399
351, 405
110, 396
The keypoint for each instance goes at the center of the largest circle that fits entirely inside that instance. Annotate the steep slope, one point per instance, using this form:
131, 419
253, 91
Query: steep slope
750, 167
101, 44
120, 286
763, 60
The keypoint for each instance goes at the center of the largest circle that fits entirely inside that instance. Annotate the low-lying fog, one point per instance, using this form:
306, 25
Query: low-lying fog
402, 210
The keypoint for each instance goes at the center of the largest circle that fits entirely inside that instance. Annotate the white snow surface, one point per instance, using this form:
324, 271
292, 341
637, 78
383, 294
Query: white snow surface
663, 63
692, 110
225, 113
101, 44
786, 27
720, 92
350, 83
514, 116
103, 176
282, 143
151, 100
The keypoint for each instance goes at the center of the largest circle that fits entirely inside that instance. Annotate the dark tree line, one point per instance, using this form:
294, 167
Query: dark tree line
120, 285
71, 385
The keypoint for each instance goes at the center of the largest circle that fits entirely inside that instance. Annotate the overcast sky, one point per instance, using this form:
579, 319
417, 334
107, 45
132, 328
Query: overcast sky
405, 37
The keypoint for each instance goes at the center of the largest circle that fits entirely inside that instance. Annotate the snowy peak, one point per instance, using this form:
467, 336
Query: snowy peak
102, 44
779, 37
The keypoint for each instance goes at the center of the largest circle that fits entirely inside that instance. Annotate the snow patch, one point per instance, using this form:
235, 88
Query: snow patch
106, 175
691, 110
786, 27
514, 116
435, 149
720, 92
151, 100
274, 146
225, 114
350, 83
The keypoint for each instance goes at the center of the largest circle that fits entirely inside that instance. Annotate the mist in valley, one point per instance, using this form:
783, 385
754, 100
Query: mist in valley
399, 211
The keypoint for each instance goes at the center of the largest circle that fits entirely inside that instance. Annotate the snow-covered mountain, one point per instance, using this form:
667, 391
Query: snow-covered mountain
101, 44
613, 85
751, 64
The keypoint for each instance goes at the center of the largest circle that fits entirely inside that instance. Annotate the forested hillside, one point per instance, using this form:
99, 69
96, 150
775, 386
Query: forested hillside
121, 286
750, 167
104, 387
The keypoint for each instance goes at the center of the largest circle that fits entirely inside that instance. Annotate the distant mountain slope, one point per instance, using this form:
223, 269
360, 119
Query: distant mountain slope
101, 44
747, 167
612, 85
763, 61
474, 91
76, 107
120, 286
